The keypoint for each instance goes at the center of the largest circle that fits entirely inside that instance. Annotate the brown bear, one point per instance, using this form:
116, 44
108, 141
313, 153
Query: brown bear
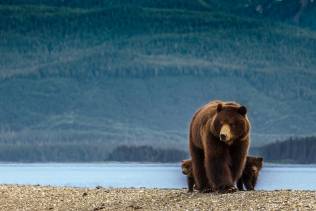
250, 174
248, 178
219, 143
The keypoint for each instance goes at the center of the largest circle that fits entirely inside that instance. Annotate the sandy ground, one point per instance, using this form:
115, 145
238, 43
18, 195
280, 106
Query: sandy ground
14, 197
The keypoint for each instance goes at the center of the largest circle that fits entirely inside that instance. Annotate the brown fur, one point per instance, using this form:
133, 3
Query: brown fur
250, 174
216, 161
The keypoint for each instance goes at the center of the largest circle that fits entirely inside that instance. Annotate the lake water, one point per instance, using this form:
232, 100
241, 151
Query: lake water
272, 177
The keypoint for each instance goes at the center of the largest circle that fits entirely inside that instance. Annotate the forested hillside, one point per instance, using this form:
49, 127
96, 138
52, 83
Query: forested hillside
292, 150
94, 75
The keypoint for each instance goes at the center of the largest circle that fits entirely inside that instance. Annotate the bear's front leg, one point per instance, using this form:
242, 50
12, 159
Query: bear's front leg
190, 181
238, 153
249, 185
219, 173
199, 174
240, 184
254, 182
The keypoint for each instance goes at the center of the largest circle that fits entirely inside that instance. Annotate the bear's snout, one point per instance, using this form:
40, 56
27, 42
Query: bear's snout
225, 133
222, 137
254, 170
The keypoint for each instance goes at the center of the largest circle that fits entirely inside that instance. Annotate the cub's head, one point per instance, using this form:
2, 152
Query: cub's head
254, 165
230, 122
186, 166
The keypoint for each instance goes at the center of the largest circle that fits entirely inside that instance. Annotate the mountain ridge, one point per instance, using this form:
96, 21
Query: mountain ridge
134, 72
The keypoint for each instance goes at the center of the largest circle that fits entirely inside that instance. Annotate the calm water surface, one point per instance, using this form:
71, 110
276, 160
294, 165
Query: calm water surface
272, 177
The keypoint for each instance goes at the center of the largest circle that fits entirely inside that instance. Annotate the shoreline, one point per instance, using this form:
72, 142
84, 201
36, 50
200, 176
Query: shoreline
31, 197
268, 164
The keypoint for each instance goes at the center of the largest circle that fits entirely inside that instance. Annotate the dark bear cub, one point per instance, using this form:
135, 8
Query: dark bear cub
250, 174
187, 170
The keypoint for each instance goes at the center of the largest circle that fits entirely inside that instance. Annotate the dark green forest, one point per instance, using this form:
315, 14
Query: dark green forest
78, 79
293, 150
146, 154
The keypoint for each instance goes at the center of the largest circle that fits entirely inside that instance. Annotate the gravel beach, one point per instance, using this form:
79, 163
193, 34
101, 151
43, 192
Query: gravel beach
13, 197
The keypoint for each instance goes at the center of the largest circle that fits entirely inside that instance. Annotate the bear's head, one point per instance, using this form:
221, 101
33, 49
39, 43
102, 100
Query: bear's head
230, 123
253, 165
186, 166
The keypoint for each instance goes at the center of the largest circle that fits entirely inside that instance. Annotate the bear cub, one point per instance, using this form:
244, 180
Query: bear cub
186, 167
248, 178
250, 174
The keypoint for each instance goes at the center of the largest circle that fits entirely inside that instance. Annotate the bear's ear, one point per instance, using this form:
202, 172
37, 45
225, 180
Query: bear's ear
242, 110
219, 107
259, 162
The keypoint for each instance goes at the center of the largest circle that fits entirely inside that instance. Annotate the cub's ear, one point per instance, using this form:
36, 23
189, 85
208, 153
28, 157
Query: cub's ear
242, 110
219, 107
260, 159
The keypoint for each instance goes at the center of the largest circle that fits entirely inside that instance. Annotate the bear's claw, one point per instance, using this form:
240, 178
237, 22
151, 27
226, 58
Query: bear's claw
206, 190
228, 189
